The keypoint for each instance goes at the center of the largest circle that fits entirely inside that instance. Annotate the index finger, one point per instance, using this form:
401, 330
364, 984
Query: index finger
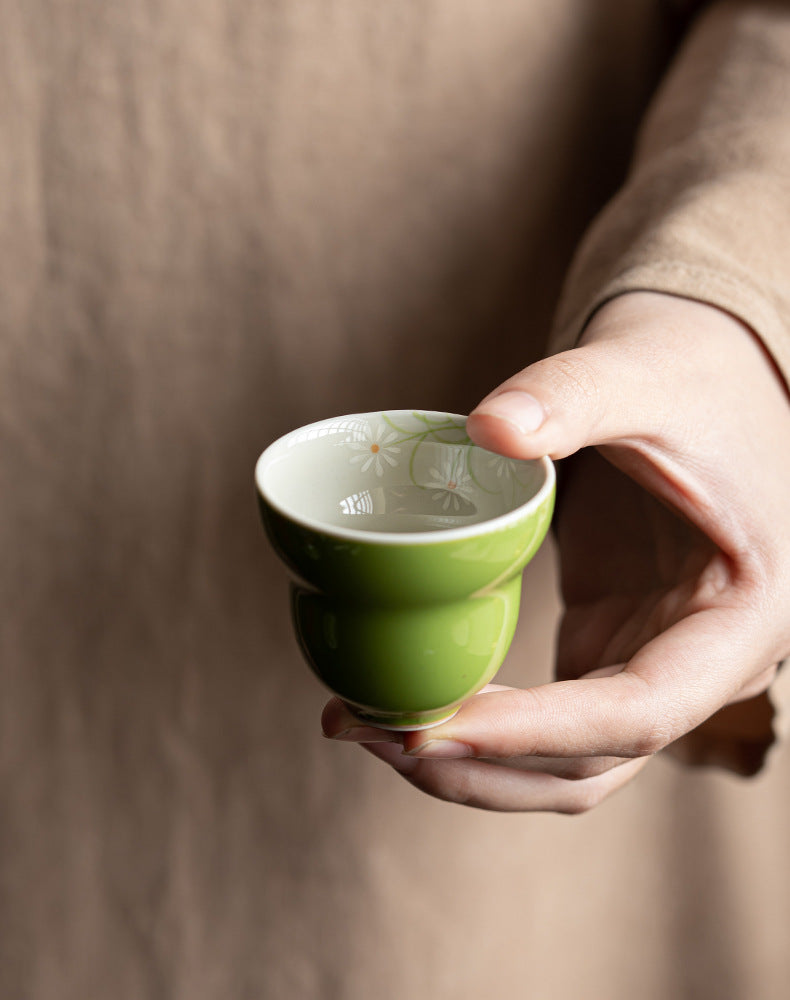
669, 687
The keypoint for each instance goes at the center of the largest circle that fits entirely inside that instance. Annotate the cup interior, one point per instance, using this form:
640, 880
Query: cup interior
396, 472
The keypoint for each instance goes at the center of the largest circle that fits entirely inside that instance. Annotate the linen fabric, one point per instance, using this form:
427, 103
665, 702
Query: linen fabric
223, 219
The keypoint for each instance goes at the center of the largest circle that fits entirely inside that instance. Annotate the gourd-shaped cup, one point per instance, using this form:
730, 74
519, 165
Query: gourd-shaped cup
407, 544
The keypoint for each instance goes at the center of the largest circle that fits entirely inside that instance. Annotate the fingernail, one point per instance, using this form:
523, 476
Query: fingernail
518, 408
364, 734
441, 748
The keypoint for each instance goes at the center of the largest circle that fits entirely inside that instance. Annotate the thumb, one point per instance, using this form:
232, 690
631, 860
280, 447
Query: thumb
595, 394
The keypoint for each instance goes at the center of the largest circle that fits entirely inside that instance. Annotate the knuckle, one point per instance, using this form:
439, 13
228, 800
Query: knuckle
574, 374
583, 768
651, 727
650, 742
573, 809
448, 784
581, 803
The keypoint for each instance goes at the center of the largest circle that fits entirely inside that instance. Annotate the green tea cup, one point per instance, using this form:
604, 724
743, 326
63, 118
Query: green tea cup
407, 543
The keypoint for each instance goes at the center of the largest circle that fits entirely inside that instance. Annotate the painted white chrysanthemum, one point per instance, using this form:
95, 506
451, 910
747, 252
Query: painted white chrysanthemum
375, 447
503, 467
452, 482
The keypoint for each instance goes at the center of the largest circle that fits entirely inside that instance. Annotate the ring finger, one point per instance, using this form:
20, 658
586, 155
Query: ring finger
485, 785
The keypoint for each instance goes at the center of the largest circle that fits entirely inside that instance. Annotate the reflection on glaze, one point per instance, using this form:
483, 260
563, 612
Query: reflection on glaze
407, 508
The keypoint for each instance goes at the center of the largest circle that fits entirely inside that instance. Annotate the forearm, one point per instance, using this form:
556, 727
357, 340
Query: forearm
705, 210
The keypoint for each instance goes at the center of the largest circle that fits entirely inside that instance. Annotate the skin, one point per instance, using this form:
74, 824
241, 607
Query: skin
673, 530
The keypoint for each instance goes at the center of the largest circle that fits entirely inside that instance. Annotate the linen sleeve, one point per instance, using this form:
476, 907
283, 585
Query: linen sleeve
705, 214
705, 210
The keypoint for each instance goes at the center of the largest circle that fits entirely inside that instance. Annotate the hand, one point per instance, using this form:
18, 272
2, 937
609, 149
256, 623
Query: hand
674, 538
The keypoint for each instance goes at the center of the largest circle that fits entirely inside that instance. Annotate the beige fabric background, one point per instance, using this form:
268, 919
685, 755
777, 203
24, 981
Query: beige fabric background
220, 219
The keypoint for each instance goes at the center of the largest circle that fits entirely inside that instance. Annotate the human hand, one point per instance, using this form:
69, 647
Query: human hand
674, 538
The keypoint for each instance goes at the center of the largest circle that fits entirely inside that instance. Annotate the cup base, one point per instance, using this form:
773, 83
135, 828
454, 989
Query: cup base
404, 723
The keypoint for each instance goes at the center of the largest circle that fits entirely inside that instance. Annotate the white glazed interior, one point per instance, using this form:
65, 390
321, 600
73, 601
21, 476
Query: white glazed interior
399, 473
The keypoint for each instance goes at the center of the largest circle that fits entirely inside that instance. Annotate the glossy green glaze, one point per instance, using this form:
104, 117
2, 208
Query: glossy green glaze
432, 572
406, 665
404, 627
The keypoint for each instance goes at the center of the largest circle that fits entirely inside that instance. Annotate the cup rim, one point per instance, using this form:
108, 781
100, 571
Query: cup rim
400, 538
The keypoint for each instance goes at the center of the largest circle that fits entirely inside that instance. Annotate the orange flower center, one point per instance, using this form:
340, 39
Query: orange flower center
374, 448
452, 484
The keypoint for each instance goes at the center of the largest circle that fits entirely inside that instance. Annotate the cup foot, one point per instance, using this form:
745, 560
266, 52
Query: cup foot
404, 723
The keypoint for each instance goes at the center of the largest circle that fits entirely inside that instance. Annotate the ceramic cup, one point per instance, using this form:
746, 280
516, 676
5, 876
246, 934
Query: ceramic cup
407, 544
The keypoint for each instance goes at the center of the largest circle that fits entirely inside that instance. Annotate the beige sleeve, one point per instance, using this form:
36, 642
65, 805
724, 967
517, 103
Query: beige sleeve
705, 211
705, 214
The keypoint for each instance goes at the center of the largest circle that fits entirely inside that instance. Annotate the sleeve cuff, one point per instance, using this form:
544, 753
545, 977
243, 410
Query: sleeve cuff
707, 285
